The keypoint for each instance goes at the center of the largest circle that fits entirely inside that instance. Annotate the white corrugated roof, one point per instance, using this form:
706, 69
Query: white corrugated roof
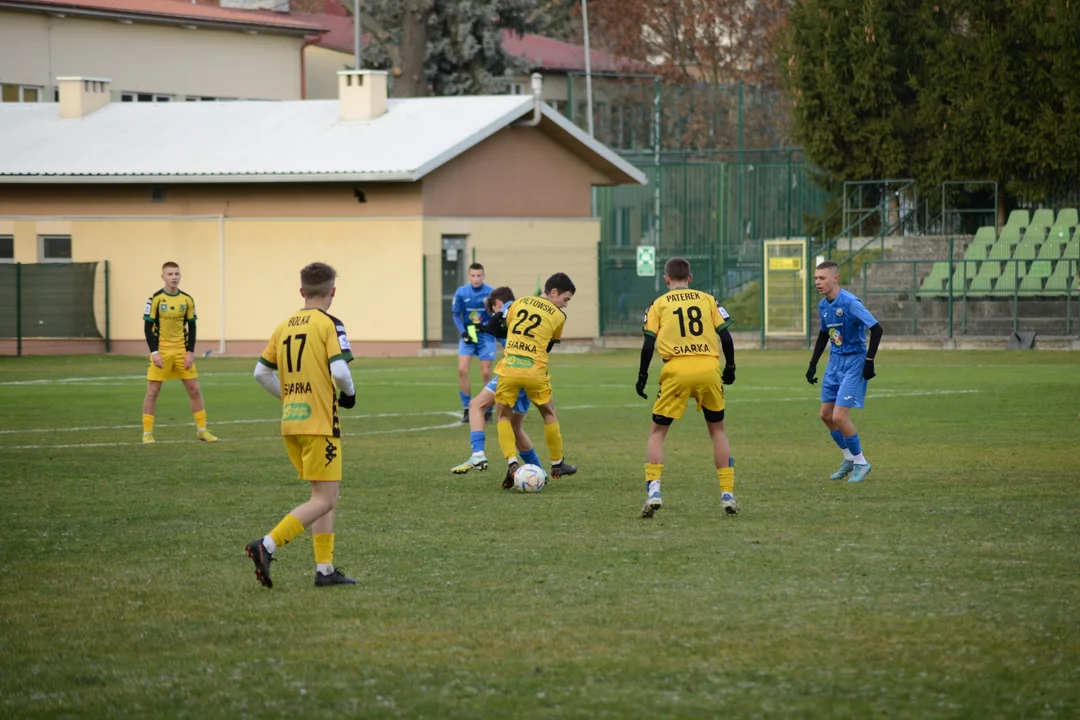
255, 141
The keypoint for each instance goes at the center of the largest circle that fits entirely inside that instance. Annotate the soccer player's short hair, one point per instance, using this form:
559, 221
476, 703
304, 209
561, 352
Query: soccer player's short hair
677, 268
560, 282
476, 266
828, 265
317, 279
169, 264
500, 293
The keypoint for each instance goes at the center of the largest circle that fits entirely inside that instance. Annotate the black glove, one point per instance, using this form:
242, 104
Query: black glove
346, 401
728, 376
811, 373
642, 380
868, 369
468, 338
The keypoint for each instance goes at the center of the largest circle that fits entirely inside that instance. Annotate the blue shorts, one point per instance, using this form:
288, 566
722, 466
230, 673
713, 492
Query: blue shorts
521, 407
484, 347
843, 383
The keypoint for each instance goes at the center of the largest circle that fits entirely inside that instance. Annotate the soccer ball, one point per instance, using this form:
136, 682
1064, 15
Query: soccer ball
530, 479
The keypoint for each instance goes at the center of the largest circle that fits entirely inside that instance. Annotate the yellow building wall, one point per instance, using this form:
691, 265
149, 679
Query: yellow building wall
522, 254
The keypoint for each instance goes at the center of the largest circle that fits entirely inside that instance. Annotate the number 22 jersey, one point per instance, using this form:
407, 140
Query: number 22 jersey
301, 350
686, 322
531, 324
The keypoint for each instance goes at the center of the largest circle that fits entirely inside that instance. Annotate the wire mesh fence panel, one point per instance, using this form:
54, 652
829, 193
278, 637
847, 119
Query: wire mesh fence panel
52, 300
785, 288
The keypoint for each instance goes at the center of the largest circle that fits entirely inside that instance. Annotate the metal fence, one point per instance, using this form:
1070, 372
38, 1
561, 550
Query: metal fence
716, 215
53, 301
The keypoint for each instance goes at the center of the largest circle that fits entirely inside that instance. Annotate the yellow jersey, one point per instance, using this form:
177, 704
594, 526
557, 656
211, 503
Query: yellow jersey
532, 323
170, 315
686, 322
301, 350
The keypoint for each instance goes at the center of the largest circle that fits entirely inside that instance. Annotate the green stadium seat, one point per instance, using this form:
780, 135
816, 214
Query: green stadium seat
985, 235
1009, 281
1049, 251
1042, 216
964, 271
1040, 269
1059, 234
983, 283
1031, 286
1018, 219
1026, 250
934, 284
1010, 235
1001, 250
1061, 281
1067, 217
1072, 250
976, 251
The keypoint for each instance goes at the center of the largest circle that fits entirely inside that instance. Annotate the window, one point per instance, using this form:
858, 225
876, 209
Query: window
54, 248
199, 98
7, 249
128, 96
20, 93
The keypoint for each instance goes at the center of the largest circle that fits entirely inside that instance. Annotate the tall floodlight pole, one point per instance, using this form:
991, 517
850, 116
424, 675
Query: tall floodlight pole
356, 34
588, 67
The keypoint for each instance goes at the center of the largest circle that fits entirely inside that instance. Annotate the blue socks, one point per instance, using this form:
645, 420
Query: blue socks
465, 398
531, 458
852, 444
476, 438
838, 438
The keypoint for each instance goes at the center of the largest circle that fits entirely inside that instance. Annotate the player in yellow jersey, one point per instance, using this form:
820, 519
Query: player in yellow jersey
533, 326
169, 325
688, 328
310, 352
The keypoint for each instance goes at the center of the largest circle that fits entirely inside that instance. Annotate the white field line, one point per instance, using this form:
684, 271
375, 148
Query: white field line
456, 423
207, 376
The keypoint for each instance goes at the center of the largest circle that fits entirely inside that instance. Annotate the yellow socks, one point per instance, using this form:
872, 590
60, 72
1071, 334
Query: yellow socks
727, 479
553, 438
506, 439
653, 471
200, 420
288, 529
324, 548
148, 423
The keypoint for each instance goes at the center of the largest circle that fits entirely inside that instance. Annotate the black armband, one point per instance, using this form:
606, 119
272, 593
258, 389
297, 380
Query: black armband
875, 337
819, 347
189, 344
728, 347
647, 349
495, 326
551, 345
151, 339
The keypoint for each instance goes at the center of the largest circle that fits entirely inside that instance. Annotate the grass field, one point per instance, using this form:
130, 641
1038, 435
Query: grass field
945, 586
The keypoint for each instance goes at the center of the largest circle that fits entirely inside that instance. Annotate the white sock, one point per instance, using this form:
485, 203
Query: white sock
654, 486
848, 455
269, 544
859, 459
325, 568
478, 454
513, 460
556, 462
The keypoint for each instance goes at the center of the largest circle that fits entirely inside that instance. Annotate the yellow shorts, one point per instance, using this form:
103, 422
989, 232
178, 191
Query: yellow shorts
537, 387
315, 457
172, 366
689, 377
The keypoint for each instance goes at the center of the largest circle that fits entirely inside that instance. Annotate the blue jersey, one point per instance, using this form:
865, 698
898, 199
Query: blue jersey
468, 307
846, 320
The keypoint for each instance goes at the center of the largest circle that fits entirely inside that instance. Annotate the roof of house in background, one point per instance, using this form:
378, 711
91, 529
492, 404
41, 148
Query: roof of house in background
544, 53
174, 13
290, 141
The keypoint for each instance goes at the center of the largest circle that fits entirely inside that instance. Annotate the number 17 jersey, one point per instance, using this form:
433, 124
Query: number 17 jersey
301, 350
686, 322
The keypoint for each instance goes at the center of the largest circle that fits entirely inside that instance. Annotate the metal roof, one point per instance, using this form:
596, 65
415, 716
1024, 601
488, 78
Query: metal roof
171, 12
291, 141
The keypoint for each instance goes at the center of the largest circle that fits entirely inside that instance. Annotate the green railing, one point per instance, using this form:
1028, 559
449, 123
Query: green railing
54, 301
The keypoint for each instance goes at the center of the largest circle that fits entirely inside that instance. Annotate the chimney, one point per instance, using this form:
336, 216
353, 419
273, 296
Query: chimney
361, 94
281, 6
81, 96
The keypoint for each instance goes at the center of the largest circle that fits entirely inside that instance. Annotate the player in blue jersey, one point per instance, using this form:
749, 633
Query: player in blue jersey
470, 315
497, 304
844, 323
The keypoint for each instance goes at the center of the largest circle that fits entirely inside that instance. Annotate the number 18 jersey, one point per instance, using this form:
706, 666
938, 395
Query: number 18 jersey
301, 350
686, 322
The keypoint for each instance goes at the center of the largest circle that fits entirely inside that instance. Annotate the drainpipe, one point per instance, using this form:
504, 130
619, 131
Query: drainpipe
303, 65
221, 271
537, 87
